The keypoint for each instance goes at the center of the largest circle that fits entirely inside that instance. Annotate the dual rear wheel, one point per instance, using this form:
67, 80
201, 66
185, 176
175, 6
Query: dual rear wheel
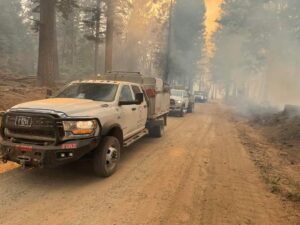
157, 131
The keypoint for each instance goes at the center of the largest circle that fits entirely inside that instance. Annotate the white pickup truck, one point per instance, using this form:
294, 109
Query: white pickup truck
87, 118
181, 102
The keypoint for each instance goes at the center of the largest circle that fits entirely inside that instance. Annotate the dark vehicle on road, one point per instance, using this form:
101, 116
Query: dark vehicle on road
201, 97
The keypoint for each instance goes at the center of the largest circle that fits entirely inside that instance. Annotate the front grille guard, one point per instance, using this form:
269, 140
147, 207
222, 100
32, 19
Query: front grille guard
56, 121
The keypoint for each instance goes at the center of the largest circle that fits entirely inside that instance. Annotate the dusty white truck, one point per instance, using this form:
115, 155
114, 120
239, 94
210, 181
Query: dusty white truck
181, 101
94, 118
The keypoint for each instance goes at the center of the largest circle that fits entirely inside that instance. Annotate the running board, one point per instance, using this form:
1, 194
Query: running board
135, 138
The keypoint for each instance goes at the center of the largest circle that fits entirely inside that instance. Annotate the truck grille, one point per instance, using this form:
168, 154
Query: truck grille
31, 128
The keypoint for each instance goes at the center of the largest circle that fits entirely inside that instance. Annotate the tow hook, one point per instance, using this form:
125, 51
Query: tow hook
23, 160
23, 164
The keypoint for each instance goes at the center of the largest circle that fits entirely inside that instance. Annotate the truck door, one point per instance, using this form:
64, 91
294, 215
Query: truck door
142, 109
127, 112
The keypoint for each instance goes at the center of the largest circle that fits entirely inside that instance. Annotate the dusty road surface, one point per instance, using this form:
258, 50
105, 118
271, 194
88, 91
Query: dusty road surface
199, 173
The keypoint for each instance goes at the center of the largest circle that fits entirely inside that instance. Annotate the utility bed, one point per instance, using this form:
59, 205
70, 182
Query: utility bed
156, 91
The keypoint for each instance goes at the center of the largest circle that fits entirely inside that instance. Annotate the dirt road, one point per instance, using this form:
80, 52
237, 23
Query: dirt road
199, 173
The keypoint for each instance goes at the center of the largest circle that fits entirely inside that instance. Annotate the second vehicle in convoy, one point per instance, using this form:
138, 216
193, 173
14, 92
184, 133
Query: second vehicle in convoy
181, 102
94, 118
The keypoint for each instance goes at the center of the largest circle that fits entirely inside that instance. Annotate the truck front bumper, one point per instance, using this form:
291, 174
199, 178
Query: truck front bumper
46, 156
175, 108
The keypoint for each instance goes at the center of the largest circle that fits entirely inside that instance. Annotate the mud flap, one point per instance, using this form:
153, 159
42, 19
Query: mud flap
155, 123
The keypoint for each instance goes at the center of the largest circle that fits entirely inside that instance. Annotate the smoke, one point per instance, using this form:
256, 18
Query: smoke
186, 41
141, 44
157, 43
282, 71
257, 51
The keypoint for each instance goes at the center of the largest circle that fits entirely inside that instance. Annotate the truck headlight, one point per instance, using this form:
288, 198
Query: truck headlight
178, 101
87, 127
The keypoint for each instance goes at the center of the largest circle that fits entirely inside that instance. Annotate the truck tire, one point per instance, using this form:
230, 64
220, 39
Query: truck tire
191, 108
181, 113
157, 131
106, 157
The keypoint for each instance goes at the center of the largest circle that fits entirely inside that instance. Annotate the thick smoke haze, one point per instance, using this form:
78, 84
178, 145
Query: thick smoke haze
142, 44
187, 28
145, 46
257, 51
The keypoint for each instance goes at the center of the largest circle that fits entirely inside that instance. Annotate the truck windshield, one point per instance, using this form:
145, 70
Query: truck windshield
92, 91
177, 93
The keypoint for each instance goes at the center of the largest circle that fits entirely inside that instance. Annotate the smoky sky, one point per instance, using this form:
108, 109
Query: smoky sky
257, 51
186, 40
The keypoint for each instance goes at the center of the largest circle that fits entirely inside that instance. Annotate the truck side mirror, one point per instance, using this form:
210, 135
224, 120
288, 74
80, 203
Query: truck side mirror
139, 98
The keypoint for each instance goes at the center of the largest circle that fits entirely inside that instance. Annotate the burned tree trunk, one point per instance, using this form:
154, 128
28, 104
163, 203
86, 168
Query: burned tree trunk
48, 56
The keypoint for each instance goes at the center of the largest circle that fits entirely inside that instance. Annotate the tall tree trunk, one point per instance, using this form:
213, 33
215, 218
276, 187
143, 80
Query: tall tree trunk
109, 38
73, 39
48, 56
169, 44
97, 41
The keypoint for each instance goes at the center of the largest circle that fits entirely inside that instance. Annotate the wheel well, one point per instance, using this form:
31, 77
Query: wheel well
117, 133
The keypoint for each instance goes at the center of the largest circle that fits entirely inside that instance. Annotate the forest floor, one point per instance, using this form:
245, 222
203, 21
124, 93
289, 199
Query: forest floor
17, 89
273, 141
208, 169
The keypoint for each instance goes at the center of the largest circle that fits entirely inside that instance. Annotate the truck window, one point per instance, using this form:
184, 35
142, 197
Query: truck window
126, 94
96, 92
177, 93
136, 89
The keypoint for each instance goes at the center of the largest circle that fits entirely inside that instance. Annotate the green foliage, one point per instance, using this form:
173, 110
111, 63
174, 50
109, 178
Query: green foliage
94, 16
66, 7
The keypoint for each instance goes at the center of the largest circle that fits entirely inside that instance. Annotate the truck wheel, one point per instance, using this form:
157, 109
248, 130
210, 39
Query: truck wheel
181, 113
157, 131
191, 108
106, 157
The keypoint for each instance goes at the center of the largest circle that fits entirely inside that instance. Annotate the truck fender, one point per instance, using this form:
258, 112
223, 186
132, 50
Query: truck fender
116, 131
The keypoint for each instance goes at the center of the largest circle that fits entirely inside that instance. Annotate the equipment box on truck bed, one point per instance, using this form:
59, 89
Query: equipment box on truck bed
156, 91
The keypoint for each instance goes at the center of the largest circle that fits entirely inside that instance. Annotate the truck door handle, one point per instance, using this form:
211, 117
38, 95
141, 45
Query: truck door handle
133, 109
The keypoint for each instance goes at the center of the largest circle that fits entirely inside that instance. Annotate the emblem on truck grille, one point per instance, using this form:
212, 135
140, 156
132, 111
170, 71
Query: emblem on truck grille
23, 121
